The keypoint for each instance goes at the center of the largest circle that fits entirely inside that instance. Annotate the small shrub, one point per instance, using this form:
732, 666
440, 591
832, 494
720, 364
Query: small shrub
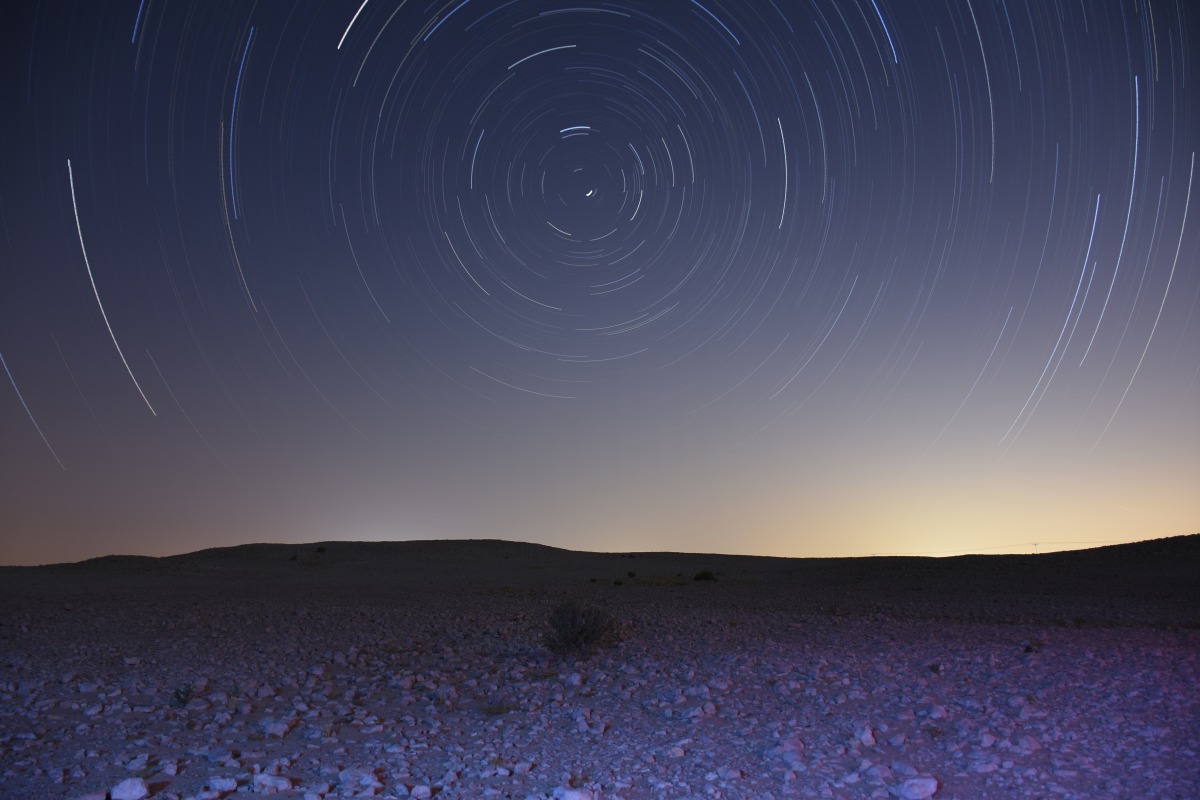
575, 627
704, 575
618, 582
182, 695
631, 574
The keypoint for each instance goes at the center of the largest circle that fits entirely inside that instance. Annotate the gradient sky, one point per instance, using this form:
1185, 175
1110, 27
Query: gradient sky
786, 277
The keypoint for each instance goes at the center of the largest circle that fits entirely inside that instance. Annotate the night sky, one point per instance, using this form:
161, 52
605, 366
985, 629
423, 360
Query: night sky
790, 277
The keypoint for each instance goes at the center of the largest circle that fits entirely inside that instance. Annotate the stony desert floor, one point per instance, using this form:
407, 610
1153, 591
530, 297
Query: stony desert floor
419, 669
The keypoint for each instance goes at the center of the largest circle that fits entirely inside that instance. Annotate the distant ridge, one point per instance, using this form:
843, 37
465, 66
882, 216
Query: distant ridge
1184, 548
1148, 583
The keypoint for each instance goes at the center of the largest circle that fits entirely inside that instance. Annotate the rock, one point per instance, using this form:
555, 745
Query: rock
130, 789
360, 778
271, 783
865, 736
790, 751
577, 794
223, 784
917, 788
277, 728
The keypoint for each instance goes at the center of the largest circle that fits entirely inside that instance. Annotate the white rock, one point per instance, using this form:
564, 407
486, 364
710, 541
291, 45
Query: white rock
917, 788
790, 751
865, 736
223, 784
577, 794
271, 783
278, 728
131, 789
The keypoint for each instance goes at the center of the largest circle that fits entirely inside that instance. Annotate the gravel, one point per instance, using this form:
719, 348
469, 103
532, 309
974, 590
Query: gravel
152, 689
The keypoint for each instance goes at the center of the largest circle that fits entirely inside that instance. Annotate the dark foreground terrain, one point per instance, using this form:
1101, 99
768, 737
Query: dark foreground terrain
420, 669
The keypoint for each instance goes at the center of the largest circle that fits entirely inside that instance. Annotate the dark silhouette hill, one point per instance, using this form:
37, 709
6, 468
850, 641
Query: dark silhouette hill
1152, 582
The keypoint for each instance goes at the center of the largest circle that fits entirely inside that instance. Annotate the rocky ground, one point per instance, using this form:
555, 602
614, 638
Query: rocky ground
336, 671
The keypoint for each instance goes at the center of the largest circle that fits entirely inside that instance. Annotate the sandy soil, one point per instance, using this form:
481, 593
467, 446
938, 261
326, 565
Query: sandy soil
346, 670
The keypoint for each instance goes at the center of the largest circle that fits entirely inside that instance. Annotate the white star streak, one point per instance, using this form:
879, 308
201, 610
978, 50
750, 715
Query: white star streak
352, 21
1137, 132
464, 266
1187, 201
521, 388
96, 292
37, 427
783, 211
1066, 322
354, 256
541, 52
971, 391
987, 76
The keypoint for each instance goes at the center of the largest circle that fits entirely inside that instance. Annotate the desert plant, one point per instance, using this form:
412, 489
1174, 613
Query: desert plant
704, 575
575, 627
182, 695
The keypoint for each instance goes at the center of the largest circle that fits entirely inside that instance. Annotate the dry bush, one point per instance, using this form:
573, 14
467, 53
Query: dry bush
575, 627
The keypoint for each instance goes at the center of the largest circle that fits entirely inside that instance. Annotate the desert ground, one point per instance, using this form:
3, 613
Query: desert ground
421, 669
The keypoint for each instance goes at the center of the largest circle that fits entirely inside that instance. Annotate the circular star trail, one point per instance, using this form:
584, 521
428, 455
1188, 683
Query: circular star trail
824, 276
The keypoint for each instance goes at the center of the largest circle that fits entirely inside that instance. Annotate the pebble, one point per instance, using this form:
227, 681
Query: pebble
270, 783
130, 789
917, 788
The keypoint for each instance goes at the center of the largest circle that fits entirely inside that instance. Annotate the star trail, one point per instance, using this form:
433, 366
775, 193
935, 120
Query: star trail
794, 278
